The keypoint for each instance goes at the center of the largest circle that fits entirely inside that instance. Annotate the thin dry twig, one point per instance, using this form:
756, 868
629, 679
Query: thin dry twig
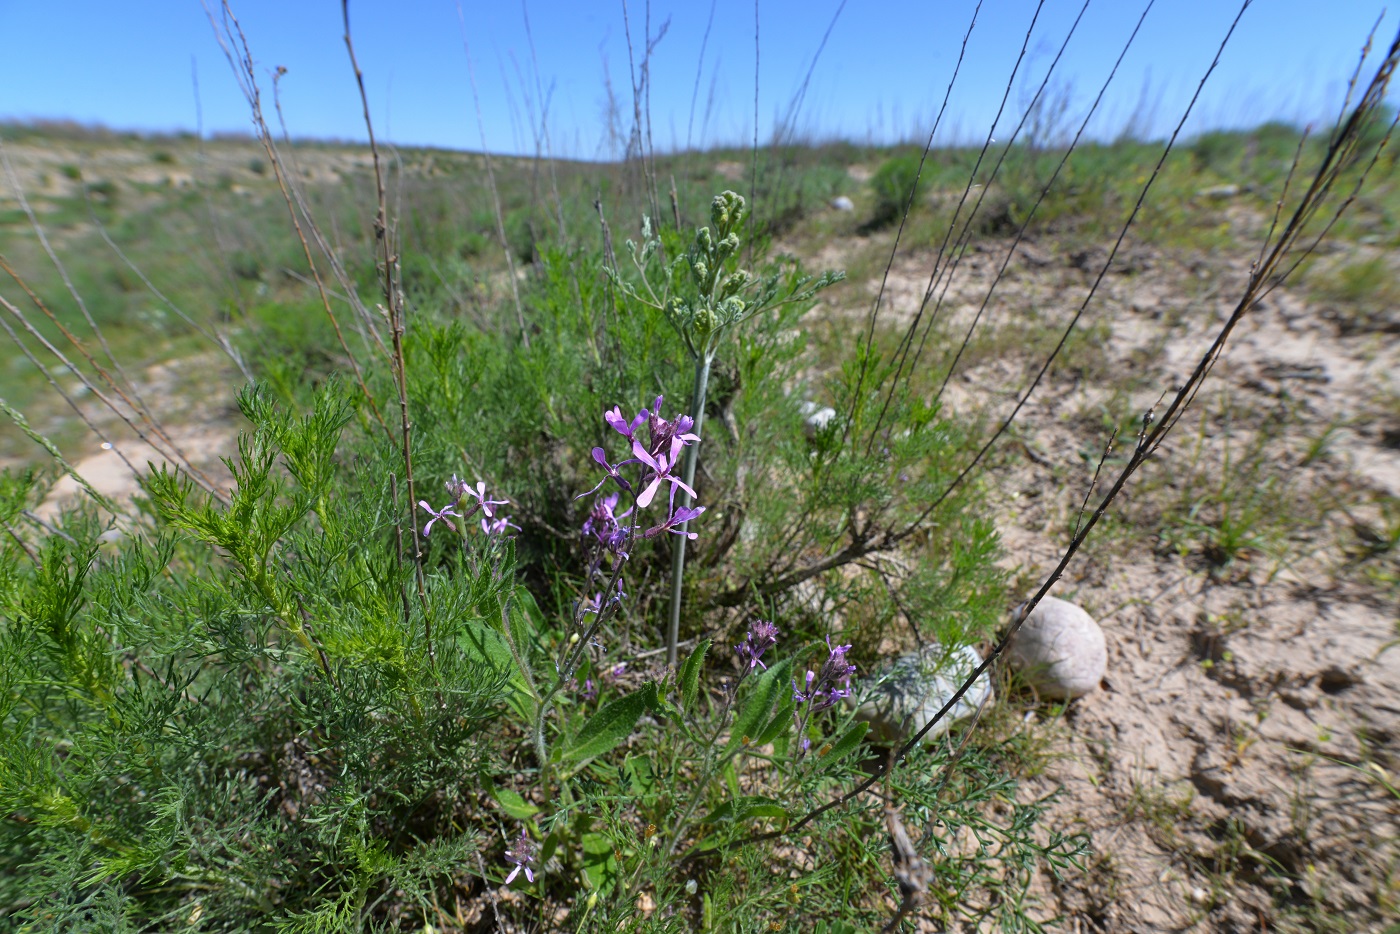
393, 298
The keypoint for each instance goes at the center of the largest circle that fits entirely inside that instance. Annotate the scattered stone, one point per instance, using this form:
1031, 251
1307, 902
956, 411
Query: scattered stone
1219, 192
817, 417
916, 686
1059, 650
842, 203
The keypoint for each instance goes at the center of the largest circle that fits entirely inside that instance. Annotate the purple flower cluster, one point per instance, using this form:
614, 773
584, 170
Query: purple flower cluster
469, 499
830, 684
762, 637
604, 525
658, 459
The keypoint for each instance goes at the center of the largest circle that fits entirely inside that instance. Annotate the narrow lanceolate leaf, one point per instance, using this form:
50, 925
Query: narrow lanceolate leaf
514, 805
844, 746
782, 722
757, 708
690, 676
609, 726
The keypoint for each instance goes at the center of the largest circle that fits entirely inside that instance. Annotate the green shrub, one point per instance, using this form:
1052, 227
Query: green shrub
893, 185
260, 715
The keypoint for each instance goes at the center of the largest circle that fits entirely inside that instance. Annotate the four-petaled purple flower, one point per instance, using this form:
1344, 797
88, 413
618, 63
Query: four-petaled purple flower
681, 516
459, 490
521, 855
437, 515
832, 683
762, 637
661, 466
498, 525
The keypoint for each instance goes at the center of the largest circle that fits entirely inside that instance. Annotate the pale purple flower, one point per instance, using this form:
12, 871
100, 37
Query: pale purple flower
762, 637
439, 514
498, 525
681, 516
589, 691
521, 855
661, 466
479, 494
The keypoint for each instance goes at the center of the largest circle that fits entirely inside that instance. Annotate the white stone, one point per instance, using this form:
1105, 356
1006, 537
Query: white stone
1219, 192
817, 417
1059, 650
916, 686
842, 203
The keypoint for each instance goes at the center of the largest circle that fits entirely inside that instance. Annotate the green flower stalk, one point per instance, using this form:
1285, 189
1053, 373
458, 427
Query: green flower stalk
712, 297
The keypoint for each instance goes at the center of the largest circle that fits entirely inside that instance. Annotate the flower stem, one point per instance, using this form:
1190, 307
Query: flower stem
697, 412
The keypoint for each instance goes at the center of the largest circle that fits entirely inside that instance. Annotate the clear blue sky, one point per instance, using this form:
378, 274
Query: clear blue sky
881, 75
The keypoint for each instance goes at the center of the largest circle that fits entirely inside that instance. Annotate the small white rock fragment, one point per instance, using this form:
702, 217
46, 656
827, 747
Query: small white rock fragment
1059, 650
1219, 192
915, 687
842, 203
817, 417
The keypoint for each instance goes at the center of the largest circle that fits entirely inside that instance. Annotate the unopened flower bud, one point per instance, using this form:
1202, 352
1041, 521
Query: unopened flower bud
702, 239
700, 270
573, 639
706, 321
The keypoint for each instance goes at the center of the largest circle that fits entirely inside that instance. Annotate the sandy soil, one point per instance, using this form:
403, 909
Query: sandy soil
1233, 769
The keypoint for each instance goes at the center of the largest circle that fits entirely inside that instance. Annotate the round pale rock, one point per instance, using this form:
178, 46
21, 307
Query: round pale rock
1059, 650
842, 203
815, 417
916, 686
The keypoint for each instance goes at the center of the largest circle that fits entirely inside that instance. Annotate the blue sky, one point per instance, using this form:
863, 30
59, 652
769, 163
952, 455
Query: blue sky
880, 76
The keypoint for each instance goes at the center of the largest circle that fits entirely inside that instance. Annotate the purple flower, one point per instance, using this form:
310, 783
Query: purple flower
437, 514
678, 518
479, 494
620, 424
762, 637
669, 437
661, 466
498, 525
602, 524
589, 691
521, 855
832, 683
601, 457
